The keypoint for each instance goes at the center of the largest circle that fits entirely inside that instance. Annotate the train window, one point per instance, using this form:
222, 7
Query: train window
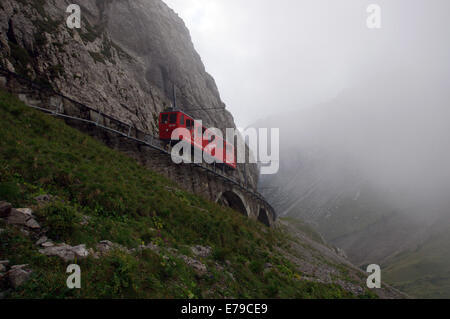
165, 118
182, 119
173, 118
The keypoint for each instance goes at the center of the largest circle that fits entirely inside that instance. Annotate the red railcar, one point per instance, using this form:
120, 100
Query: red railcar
170, 121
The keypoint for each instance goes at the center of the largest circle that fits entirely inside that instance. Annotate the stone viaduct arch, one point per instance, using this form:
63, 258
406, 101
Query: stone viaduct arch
234, 201
263, 217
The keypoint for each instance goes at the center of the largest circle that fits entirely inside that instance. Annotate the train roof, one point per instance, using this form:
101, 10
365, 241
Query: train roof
183, 112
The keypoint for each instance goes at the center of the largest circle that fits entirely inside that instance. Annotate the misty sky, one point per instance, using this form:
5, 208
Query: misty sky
272, 56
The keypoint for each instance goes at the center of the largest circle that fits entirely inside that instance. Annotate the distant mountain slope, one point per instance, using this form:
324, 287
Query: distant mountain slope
368, 170
424, 271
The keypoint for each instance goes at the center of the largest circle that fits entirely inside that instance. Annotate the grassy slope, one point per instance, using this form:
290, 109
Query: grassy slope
425, 272
128, 205
306, 229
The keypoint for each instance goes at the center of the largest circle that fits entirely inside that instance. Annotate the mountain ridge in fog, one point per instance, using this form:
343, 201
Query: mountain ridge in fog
391, 131
369, 168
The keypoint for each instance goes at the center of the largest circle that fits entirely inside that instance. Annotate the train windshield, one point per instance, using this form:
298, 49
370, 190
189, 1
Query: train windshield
165, 118
173, 118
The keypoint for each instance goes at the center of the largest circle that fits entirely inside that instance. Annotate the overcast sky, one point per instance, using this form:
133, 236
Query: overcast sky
272, 56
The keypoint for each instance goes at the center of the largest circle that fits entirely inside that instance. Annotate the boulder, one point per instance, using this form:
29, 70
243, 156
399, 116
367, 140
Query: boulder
23, 217
66, 252
18, 274
63, 251
16, 217
5, 209
32, 223
93, 253
104, 246
26, 211
47, 244
80, 251
198, 267
41, 240
44, 199
201, 251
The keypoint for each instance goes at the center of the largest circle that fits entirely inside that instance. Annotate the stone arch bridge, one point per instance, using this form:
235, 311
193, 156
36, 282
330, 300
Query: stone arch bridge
200, 179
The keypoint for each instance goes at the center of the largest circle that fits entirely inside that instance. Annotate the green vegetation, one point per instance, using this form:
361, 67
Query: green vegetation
128, 205
306, 229
424, 272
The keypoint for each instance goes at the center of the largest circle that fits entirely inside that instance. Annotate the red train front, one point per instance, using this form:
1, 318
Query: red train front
170, 121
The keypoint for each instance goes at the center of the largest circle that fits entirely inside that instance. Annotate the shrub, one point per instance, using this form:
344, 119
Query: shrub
61, 219
221, 254
9, 191
257, 266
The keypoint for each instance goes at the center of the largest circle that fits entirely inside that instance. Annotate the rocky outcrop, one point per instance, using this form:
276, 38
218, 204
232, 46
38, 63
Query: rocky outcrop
66, 252
18, 275
20, 216
123, 61
23, 219
14, 277
201, 251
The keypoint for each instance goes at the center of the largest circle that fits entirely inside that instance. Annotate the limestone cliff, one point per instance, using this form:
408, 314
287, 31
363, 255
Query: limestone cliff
123, 61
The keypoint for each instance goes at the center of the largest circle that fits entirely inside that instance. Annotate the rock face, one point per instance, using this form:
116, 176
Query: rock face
18, 275
123, 61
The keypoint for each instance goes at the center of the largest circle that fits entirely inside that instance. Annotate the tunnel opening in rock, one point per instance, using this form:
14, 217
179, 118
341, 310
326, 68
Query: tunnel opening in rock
233, 201
263, 218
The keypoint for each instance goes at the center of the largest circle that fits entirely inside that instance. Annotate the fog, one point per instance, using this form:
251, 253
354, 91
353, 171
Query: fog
391, 131
273, 56
374, 100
